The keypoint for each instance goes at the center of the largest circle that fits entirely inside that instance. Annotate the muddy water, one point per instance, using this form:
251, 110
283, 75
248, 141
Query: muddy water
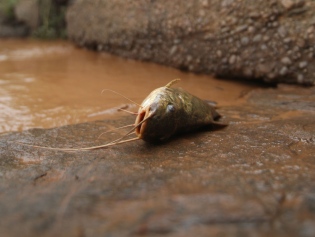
48, 84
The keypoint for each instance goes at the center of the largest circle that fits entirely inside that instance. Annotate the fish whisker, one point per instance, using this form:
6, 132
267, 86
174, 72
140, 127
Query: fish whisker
127, 111
114, 129
121, 96
115, 142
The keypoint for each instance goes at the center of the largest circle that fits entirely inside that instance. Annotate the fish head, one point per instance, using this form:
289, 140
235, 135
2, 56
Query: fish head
155, 120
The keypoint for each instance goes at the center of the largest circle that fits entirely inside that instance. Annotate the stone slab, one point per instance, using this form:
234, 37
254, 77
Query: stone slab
255, 177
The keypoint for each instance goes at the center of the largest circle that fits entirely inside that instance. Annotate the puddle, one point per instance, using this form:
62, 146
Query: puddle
47, 84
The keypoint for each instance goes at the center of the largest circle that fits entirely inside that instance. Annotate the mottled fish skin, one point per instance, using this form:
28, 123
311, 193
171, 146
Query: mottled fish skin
170, 111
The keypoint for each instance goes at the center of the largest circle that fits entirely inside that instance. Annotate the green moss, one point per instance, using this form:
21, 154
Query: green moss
7, 9
52, 18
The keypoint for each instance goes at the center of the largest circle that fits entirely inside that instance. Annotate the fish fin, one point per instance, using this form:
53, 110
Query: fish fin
211, 103
215, 115
220, 124
172, 82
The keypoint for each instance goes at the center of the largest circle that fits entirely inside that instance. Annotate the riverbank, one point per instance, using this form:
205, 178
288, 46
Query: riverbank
271, 41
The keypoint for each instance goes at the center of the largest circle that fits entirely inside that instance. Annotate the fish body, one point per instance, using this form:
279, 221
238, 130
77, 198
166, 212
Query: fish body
168, 111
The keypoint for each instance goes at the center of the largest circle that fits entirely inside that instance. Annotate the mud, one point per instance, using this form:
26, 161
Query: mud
48, 84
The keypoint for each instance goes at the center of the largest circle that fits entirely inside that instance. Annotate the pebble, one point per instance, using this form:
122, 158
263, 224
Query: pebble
177, 41
248, 72
251, 29
300, 78
99, 47
263, 47
266, 38
271, 75
225, 29
310, 30
272, 18
287, 4
244, 40
173, 50
219, 53
241, 28
302, 64
296, 56
287, 40
232, 59
301, 42
226, 3
257, 38
283, 71
275, 24
263, 68
205, 3
282, 31
254, 15
310, 55
286, 61
209, 36
296, 49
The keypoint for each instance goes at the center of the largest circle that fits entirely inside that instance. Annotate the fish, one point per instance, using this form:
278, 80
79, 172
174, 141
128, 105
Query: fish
165, 112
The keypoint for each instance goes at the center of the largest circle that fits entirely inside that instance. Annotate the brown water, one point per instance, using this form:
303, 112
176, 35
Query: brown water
47, 84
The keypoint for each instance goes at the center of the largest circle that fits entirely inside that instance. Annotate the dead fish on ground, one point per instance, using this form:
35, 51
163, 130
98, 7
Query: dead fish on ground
165, 112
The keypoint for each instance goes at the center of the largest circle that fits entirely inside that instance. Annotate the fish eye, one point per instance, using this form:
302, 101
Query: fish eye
170, 108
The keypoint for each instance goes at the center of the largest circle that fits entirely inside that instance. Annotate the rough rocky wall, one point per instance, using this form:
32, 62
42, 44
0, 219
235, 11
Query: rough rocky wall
38, 18
9, 26
271, 40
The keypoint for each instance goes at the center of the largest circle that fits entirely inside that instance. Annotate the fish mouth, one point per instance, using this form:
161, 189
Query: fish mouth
140, 125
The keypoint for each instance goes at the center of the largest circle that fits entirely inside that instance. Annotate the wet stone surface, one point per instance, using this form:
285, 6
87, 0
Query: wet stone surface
270, 40
254, 177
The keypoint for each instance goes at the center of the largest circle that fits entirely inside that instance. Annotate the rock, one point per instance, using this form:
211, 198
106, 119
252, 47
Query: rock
27, 11
252, 178
268, 29
41, 19
8, 31
8, 25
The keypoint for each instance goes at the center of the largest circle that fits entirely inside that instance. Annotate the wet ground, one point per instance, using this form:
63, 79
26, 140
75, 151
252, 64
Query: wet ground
256, 177
48, 84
